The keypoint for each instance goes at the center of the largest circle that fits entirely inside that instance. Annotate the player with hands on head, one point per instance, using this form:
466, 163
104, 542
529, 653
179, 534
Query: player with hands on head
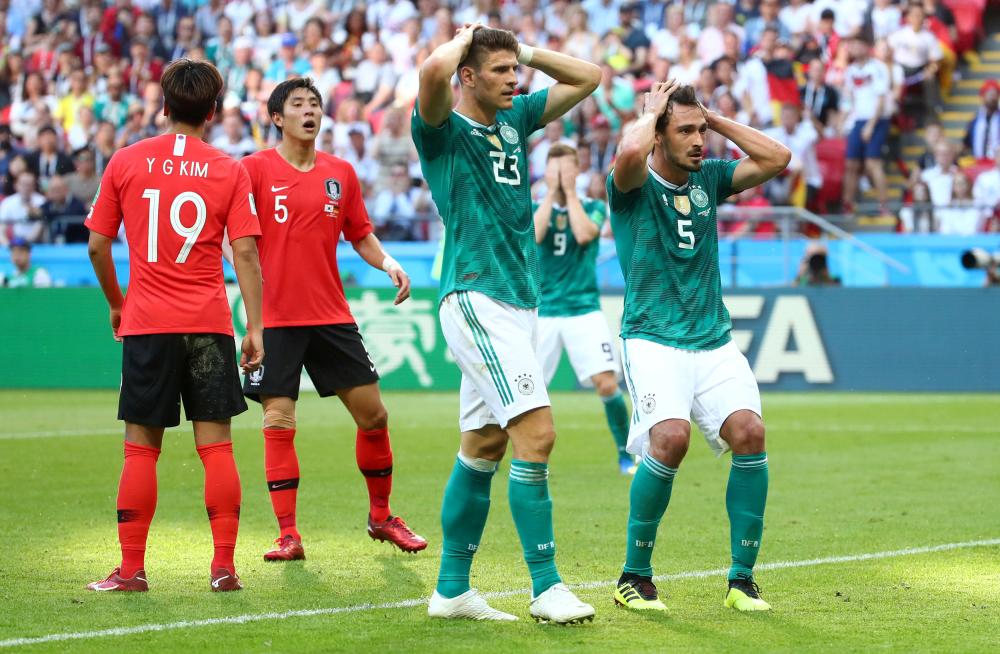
474, 157
567, 229
680, 361
179, 199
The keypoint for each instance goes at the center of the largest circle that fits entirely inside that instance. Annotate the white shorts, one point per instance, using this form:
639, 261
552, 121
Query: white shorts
494, 346
587, 340
706, 386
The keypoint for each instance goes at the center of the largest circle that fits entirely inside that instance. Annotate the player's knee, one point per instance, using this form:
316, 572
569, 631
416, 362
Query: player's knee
669, 441
747, 437
375, 418
279, 417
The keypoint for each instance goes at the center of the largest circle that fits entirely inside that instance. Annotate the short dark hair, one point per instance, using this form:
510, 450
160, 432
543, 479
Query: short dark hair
47, 129
191, 90
486, 40
279, 96
685, 96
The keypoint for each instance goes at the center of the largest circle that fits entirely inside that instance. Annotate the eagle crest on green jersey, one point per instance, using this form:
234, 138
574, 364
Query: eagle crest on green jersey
569, 270
668, 248
478, 177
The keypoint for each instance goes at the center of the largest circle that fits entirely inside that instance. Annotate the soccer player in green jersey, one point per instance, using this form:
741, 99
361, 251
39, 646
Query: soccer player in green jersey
474, 157
567, 229
680, 361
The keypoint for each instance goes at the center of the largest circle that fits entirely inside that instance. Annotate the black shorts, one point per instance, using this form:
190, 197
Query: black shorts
160, 370
334, 356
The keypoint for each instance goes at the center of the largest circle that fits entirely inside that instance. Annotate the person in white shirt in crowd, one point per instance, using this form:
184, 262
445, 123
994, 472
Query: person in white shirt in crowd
688, 66
800, 137
885, 17
986, 192
361, 160
234, 139
602, 15
940, 177
323, 76
918, 51
398, 206
918, 215
374, 79
867, 89
711, 41
554, 132
795, 17
849, 15
961, 217
21, 212
667, 40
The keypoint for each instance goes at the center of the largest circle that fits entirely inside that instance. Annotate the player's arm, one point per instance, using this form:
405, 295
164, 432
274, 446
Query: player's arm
435, 99
543, 214
575, 79
637, 142
227, 249
246, 262
766, 157
584, 229
370, 249
99, 249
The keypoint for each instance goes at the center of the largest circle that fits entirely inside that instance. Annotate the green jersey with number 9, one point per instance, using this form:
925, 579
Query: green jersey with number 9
569, 270
668, 248
478, 177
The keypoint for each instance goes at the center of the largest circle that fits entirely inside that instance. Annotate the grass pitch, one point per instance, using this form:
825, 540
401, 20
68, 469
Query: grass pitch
851, 474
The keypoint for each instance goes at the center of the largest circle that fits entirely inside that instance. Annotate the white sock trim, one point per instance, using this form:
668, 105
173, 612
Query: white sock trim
482, 465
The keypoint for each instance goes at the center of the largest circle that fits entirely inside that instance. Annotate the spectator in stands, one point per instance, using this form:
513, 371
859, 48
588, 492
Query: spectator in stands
601, 144
34, 103
866, 95
288, 63
48, 161
711, 40
219, 49
68, 109
687, 68
796, 17
933, 133
393, 209
113, 105
940, 177
603, 15
142, 67
634, 37
666, 41
885, 18
25, 274
357, 154
104, 145
84, 181
814, 270
580, 42
21, 213
820, 101
17, 165
374, 80
393, 146
207, 18
234, 139
802, 179
917, 50
136, 128
767, 19
918, 215
986, 195
62, 211
8, 150
960, 217
982, 136
615, 97
84, 130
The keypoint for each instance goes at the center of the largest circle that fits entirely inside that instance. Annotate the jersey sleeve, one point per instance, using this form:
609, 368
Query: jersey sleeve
530, 109
430, 141
620, 201
357, 225
597, 211
105, 216
720, 172
242, 220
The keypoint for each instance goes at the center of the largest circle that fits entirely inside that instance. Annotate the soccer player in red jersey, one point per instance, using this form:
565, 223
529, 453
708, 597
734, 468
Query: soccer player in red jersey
177, 196
307, 199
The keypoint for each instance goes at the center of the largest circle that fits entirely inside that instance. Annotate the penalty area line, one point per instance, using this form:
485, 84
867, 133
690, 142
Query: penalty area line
359, 608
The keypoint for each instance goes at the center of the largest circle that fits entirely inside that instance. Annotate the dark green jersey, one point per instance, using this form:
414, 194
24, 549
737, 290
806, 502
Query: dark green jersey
569, 270
668, 247
478, 177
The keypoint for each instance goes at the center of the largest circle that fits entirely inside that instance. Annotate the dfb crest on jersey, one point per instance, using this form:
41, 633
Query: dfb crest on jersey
332, 188
561, 221
682, 204
509, 134
699, 197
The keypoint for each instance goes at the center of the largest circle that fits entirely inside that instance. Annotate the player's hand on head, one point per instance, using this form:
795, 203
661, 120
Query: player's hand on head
116, 322
401, 281
567, 174
552, 174
658, 97
252, 351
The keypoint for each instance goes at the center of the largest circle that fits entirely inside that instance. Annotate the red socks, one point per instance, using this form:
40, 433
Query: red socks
136, 505
375, 462
281, 467
222, 500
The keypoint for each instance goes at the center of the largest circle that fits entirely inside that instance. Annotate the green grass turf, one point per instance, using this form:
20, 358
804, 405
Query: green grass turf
850, 474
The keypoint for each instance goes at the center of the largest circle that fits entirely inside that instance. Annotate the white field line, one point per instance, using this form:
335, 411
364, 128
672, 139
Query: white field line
359, 608
778, 425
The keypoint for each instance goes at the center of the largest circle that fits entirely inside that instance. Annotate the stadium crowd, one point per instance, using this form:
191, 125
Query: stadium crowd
79, 80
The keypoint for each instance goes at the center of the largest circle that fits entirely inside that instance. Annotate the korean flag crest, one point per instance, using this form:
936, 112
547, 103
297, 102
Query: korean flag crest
682, 204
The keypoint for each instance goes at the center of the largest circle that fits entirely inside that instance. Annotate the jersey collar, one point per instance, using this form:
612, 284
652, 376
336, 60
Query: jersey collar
673, 187
488, 128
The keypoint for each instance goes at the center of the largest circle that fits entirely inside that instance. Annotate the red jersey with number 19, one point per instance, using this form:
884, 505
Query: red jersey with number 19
177, 195
302, 217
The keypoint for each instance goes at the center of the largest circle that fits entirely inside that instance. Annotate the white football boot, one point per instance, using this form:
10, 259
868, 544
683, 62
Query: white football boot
558, 604
469, 605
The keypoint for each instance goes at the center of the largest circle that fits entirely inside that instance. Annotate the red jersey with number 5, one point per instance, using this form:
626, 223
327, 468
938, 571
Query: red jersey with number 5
176, 195
302, 215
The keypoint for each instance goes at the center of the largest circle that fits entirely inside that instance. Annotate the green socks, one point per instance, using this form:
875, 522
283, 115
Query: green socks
463, 518
746, 496
648, 500
531, 508
618, 419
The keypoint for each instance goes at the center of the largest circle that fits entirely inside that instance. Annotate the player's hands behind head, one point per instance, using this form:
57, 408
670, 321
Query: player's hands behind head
658, 97
465, 33
252, 350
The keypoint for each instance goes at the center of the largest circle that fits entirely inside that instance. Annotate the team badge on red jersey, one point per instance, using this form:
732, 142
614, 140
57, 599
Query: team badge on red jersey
332, 187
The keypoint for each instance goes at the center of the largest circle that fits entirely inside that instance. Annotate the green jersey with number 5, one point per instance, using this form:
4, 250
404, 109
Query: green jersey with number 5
478, 177
668, 248
569, 270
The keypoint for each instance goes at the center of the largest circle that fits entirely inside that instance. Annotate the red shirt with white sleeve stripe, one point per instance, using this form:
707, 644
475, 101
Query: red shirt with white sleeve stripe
177, 196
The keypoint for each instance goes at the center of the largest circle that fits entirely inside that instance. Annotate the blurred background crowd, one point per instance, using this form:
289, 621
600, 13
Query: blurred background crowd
864, 92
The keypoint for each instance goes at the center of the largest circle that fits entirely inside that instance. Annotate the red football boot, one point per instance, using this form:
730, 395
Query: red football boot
289, 549
396, 532
114, 582
224, 581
